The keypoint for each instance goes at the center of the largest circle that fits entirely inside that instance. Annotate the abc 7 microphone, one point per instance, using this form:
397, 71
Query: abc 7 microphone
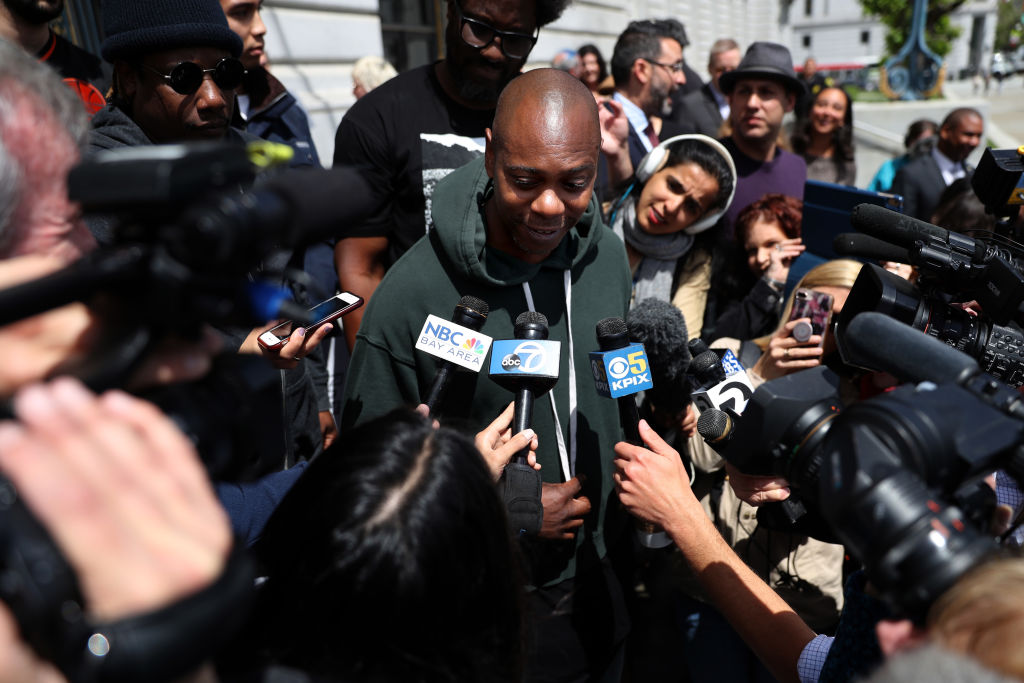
621, 370
528, 367
457, 343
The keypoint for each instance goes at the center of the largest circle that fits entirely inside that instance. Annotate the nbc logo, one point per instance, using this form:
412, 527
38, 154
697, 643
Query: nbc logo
474, 345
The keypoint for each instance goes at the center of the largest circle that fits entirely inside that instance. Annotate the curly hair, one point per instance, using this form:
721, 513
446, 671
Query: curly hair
549, 10
771, 208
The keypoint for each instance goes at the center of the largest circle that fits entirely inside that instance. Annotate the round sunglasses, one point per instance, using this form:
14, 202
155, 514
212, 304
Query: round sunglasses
186, 77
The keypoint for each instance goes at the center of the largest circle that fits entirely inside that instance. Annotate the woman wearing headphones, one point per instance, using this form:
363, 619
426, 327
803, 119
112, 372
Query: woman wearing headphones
681, 188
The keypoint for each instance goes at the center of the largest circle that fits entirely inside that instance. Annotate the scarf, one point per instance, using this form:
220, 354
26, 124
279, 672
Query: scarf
653, 277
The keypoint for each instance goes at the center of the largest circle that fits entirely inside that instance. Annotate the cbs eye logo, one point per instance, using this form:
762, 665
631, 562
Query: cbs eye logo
618, 368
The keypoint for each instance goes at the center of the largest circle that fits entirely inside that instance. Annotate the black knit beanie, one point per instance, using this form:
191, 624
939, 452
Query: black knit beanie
138, 27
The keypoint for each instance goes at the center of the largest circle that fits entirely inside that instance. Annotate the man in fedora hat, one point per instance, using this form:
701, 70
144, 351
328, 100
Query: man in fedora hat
761, 90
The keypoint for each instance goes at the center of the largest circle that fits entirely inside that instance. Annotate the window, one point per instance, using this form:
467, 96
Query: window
412, 32
865, 37
808, 7
807, 41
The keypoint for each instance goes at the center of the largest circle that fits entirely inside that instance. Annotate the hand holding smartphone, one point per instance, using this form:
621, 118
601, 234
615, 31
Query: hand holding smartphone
817, 306
324, 312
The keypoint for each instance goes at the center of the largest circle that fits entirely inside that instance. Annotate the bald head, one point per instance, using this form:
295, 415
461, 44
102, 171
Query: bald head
549, 101
542, 159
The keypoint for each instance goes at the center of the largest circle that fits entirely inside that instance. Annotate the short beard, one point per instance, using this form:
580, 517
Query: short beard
472, 91
35, 11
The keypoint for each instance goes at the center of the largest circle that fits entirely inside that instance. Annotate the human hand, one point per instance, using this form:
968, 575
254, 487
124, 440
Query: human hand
652, 482
757, 490
614, 128
498, 445
288, 355
780, 258
122, 493
785, 354
328, 428
564, 510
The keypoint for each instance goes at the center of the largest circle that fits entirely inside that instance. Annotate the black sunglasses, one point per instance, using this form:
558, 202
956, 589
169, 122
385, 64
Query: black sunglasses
477, 34
186, 77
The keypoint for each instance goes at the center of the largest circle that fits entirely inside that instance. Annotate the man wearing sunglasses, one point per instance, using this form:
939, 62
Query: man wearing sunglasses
175, 74
413, 130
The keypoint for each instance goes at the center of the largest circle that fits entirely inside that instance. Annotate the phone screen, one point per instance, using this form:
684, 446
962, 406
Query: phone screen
325, 311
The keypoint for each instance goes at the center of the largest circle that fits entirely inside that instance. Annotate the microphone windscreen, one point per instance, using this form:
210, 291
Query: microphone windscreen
707, 368
661, 328
714, 425
474, 304
531, 318
877, 342
866, 246
893, 227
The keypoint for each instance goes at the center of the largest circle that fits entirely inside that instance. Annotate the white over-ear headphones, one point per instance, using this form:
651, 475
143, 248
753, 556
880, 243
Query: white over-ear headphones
656, 159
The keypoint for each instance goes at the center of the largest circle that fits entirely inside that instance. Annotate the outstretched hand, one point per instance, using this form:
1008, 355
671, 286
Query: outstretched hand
499, 445
652, 482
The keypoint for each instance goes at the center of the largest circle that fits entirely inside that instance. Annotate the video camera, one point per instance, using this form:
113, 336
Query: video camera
896, 478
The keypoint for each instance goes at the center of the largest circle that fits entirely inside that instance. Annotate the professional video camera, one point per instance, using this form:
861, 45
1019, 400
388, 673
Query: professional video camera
953, 269
896, 478
191, 245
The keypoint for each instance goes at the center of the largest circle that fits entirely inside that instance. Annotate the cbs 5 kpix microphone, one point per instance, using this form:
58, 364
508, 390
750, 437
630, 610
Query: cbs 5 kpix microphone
528, 367
458, 343
621, 370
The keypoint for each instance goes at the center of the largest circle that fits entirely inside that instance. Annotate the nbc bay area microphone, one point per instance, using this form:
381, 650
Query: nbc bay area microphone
457, 343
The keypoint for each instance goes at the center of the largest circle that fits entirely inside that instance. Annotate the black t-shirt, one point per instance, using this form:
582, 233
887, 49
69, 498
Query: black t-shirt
406, 135
85, 73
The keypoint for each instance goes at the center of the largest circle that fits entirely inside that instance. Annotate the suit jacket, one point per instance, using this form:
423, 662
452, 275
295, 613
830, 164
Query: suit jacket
637, 151
921, 183
697, 112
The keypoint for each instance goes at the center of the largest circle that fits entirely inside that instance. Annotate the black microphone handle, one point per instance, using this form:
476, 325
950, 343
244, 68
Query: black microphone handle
866, 246
439, 388
522, 418
629, 418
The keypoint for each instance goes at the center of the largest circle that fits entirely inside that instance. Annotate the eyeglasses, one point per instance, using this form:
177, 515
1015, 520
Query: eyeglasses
673, 68
186, 77
479, 35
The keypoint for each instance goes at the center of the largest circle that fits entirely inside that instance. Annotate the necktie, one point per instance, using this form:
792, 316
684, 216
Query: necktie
651, 135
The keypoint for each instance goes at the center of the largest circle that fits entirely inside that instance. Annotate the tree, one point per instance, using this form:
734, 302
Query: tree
1008, 26
897, 14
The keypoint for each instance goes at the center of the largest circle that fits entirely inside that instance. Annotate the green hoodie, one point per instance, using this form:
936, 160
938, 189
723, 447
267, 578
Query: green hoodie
452, 261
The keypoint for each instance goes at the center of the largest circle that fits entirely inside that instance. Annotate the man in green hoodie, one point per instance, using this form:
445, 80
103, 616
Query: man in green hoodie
521, 230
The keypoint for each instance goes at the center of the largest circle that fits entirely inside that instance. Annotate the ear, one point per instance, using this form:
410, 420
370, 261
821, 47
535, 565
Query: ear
790, 101
489, 156
641, 70
127, 78
898, 636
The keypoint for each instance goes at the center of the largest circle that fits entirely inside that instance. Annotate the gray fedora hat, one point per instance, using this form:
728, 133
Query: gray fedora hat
765, 60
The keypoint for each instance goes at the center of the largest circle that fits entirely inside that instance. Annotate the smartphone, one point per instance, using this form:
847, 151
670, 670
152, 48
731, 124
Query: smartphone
323, 312
817, 306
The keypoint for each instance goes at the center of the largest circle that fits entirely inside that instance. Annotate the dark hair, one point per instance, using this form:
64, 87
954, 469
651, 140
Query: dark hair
954, 117
602, 67
391, 559
549, 10
960, 210
640, 40
842, 137
697, 152
917, 129
776, 208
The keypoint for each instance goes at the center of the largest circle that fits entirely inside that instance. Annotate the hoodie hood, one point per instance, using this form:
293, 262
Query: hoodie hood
112, 129
459, 228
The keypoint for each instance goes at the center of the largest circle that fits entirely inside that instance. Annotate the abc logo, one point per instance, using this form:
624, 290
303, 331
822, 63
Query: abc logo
511, 361
618, 368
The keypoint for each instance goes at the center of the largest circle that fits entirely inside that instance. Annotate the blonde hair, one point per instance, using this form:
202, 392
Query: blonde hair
370, 72
838, 273
982, 616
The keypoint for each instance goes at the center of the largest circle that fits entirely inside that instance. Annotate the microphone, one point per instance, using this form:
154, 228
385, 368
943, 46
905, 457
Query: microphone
706, 366
457, 345
857, 244
904, 231
620, 371
907, 353
660, 327
726, 385
715, 426
527, 366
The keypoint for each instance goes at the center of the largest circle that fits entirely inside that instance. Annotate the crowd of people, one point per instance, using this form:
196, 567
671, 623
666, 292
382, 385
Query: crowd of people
370, 515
